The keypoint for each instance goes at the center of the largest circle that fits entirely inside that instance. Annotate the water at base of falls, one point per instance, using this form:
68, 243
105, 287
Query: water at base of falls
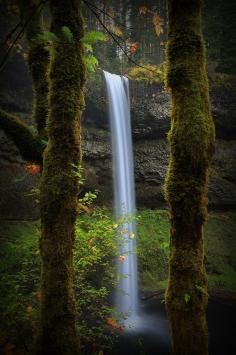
124, 194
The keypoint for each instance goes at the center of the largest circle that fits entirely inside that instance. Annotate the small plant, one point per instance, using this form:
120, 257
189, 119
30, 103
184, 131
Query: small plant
95, 278
89, 39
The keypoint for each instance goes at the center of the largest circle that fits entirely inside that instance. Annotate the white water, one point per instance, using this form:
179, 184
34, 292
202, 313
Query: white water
124, 195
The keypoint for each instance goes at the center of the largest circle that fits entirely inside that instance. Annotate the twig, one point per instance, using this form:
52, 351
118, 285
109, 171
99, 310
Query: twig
115, 40
105, 13
10, 34
20, 34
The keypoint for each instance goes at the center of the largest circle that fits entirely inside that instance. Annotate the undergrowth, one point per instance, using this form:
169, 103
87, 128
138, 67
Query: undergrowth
95, 251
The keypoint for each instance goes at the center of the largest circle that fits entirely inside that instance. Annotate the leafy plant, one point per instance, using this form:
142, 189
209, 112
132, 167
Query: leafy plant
149, 73
89, 39
187, 297
67, 33
95, 250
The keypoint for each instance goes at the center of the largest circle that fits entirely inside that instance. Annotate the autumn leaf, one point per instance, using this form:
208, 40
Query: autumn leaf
112, 323
112, 13
122, 258
158, 22
107, 37
90, 241
133, 47
143, 10
38, 296
32, 169
116, 31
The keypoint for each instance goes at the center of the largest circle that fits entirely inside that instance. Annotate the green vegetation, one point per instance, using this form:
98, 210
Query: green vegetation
94, 255
95, 275
147, 73
220, 246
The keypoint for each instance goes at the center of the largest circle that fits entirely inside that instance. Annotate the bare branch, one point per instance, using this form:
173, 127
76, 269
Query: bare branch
115, 39
20, 34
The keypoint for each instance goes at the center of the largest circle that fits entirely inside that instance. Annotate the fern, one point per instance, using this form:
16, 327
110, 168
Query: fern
92, 37
91, 63
67, 33
47, 36
89, 39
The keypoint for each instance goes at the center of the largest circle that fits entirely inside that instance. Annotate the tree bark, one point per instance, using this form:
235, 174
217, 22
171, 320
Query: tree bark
59, 185
38, 60
30, 145
192, 145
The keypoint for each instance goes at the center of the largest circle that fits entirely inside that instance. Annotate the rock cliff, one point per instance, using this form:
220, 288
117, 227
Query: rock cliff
150, 111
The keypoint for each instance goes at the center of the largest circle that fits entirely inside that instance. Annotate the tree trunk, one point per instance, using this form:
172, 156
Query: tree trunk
59, 186
192, 145
38, 61
31, 145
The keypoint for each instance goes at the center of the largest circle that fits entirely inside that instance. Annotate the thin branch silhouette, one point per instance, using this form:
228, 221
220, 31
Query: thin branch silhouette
115, 39
20, 34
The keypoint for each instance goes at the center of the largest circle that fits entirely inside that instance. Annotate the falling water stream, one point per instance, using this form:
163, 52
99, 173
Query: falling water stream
124, 194
148, 332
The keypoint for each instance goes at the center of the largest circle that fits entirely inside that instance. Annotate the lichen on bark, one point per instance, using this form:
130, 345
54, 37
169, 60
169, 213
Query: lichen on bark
59, 185
192, 145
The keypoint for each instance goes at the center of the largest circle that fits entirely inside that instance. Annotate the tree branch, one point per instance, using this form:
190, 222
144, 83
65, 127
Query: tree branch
20, 33
114, 38
29, 145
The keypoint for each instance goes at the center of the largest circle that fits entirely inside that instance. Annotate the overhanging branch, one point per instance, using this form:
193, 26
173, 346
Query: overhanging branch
29, 145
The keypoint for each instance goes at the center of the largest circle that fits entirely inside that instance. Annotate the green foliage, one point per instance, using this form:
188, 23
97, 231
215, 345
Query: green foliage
94, 256
47, 36
48, 39
149, 73
20, 272
93, 37
187, 298
91, 63
153, 232
95, 276
67, 33
95, 250
90, 39
220, 245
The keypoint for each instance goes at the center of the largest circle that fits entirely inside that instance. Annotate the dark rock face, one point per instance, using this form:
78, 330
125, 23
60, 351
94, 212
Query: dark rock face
150, 111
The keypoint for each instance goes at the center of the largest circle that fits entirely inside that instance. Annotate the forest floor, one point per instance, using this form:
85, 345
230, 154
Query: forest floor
20, 268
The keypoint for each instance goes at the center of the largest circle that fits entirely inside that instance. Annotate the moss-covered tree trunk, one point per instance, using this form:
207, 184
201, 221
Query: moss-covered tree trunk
30, 144
192, 145
59, 186
38, 60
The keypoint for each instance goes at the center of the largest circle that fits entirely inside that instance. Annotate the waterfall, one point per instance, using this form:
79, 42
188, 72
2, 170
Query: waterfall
124, 194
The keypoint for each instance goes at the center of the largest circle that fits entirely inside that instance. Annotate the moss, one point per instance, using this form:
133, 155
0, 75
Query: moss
38, 61
59, 185
192, 144
29, 145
